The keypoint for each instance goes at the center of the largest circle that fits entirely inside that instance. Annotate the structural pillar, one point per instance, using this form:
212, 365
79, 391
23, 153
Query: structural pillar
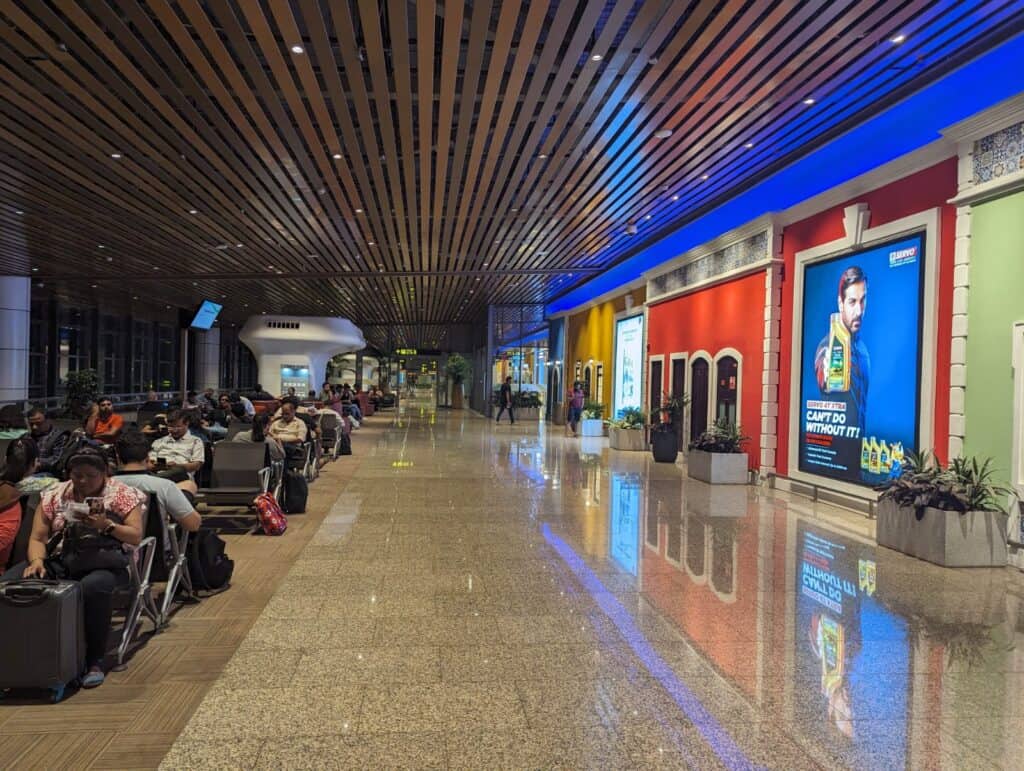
15, 310
359, 372
207, 345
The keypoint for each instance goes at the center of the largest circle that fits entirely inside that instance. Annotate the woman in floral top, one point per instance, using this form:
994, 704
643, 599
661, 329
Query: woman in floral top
121, 519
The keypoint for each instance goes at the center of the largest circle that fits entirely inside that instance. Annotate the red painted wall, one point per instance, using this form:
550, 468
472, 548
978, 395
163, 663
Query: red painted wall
729, 315
927, 189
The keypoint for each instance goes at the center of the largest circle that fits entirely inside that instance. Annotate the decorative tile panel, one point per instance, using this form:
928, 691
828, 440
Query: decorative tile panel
999, 154
738, 255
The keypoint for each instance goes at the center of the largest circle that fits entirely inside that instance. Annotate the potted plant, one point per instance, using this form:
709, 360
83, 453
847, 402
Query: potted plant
527, 405
665, 433
81, 389
717, 456
627, 431
950, 516
457, 370
590, 419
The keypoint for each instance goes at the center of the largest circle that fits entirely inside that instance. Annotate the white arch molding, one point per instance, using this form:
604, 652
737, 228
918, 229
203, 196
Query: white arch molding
309, 341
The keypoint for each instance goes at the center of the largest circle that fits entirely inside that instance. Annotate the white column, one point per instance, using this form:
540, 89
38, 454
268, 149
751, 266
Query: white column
770, 368
15, 304
207, 345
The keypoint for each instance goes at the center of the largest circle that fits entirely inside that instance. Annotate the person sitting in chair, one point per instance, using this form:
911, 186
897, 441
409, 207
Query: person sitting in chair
89, 506
175, 500
180, 454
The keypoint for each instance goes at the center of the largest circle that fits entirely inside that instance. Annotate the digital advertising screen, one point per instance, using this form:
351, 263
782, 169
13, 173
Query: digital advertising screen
844, 638
860, 362
629, 362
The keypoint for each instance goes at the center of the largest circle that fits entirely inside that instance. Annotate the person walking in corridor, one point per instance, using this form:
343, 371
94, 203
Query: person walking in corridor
505, 401
575, 405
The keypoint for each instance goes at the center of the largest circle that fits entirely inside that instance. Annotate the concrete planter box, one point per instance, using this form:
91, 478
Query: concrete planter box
527, 413
718, 468
592, 427
948, 538
631, 439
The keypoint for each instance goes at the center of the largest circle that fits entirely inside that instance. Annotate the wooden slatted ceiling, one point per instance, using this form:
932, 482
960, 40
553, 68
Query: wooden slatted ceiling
417, 160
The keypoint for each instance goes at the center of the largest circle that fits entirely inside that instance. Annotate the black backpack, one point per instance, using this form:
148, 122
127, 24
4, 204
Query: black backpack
296, 490
208, 565
345, 445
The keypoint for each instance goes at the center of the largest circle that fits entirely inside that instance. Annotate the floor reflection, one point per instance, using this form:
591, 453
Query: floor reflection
785, 616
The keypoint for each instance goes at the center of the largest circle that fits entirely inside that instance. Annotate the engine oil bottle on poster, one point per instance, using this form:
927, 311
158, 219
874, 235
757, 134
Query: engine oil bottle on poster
837, 379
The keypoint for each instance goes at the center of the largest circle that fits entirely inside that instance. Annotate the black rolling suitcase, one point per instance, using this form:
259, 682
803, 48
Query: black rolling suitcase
43, 642
296, 490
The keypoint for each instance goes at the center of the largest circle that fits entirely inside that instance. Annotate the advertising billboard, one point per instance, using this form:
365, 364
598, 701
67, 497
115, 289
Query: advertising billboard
629, 362
860, 361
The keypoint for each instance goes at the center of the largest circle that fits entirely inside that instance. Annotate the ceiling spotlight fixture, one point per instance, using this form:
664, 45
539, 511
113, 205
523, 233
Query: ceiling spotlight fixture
19, 211
898, 39
35, 270
809, 100
239, 246
596, 58
115, 156
359, 211
542, 156
337, 156
298, 49
100, 246
647, 217
675, 198
663, 134
704, 176
631, 229
193, 211
748, 145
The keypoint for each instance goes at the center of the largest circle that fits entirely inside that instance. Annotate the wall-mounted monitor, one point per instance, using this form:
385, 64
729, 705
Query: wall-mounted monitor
205, 315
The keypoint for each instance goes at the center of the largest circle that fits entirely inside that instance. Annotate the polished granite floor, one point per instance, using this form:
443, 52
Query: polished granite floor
485, 596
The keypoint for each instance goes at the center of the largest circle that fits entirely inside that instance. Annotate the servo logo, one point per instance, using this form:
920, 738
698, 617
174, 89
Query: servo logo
899, 257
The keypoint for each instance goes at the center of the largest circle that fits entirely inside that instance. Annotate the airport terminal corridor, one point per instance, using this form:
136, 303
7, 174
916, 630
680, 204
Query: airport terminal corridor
482, 596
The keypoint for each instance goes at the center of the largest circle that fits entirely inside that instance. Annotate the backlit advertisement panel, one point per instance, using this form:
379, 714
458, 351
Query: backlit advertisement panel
629, 358
860, 362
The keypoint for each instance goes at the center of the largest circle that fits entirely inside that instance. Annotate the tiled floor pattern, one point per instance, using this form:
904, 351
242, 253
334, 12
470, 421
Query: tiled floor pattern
505, 597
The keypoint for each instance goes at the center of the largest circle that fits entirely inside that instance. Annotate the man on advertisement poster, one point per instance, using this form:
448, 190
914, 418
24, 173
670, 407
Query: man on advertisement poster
855, 359
842, 365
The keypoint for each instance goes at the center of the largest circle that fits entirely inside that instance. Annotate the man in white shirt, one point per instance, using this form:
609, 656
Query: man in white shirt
179, 449
175, 501
289, 429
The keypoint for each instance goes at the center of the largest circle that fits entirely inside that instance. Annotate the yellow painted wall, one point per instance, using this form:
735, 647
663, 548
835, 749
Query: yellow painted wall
590, 334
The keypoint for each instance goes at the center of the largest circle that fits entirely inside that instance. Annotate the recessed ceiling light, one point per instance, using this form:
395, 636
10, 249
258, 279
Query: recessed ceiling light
371, 243
337, 156
675, 198
115, 156
704, 176
19, 211
298, 49
748, 145
898, 39
542, 156
35, 270
647, 217
136, 297
100, 246
663, 133
193, 211
239, 245
596, 58
359, 211
809, 100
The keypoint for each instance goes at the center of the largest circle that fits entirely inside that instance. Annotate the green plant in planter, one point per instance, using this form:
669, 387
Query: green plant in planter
592, 410
526, 400
674, 405
457, 368
723, 436
965, 485
629, 417
82, 388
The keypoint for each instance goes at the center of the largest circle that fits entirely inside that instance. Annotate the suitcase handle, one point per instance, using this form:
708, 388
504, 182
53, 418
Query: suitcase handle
26, 592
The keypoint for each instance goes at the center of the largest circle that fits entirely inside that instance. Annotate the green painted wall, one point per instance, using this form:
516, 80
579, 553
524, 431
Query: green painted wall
996, 301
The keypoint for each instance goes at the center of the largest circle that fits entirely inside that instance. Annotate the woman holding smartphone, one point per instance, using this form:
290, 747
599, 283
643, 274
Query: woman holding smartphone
96, 516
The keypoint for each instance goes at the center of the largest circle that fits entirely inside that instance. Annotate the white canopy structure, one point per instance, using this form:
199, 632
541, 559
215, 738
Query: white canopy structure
294, 350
